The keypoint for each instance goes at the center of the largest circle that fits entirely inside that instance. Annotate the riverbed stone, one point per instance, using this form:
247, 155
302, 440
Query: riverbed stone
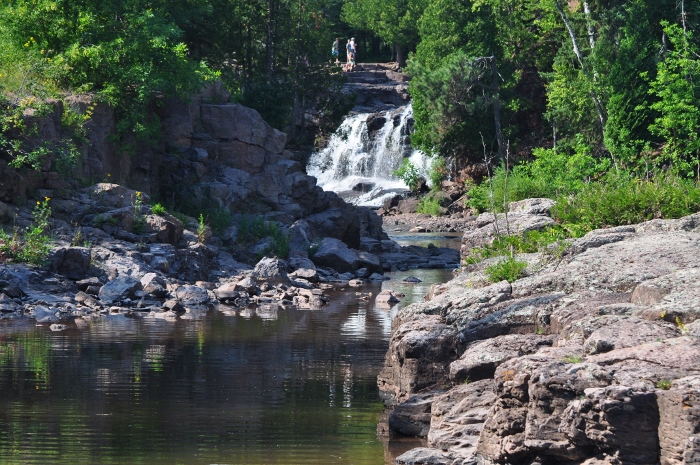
189, 295
122, 287
71, 262
271, 270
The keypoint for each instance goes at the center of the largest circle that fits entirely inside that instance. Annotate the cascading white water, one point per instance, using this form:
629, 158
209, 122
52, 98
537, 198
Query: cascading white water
359, 167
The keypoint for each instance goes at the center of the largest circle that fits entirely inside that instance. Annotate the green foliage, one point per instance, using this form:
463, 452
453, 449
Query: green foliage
530, 242
509, 269
21, 138
392, 20
622, 199
139, 219
430, 205
253, 229
677, 87
158, 209
450, 106
409, 174
201, 229
437, 173
551, 174
664, 384
573, 359
35, 245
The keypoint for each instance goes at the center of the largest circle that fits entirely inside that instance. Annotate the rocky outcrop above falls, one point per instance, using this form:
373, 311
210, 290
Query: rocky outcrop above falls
377, 86
590, 358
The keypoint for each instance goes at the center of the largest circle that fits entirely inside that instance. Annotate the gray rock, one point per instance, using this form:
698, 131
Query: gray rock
333, 253
44, 314
536, 206
458, 416
154, 285
120, 288
386, 298
227, 292
412, 417
271, 270
71, 262
423, 456
189, 295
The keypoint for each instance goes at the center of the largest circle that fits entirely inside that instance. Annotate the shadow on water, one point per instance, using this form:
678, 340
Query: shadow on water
238, 387
233, 386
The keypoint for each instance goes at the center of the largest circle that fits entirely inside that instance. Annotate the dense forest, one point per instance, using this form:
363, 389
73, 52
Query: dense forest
583, 88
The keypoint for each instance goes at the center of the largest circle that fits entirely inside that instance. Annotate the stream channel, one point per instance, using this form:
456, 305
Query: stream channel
236, 387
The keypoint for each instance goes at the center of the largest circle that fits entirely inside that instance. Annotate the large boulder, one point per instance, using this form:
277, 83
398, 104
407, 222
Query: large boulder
271, 270
71, 262
121, 287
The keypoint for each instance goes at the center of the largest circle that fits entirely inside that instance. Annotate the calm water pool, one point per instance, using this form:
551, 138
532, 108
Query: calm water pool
285, 387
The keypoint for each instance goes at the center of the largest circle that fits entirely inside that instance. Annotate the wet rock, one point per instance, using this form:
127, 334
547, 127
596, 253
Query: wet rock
58, 327
411, 280
118, 289
386, 298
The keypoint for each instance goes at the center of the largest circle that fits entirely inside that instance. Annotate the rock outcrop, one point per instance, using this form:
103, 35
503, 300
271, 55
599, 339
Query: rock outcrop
591, 358
211, 157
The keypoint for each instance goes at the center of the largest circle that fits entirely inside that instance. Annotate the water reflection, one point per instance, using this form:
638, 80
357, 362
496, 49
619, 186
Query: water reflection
240, 386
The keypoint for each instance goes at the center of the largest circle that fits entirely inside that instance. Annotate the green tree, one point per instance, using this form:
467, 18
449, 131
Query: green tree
677, 87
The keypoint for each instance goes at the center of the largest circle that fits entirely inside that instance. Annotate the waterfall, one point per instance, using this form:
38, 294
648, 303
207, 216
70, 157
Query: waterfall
363, 153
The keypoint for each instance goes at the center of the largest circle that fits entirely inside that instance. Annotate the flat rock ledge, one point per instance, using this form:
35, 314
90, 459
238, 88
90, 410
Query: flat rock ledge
592, 358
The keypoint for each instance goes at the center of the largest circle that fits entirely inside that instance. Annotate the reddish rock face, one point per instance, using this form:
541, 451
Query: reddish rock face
593, 358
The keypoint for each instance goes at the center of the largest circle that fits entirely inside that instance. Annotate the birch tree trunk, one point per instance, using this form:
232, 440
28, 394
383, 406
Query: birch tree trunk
577, 51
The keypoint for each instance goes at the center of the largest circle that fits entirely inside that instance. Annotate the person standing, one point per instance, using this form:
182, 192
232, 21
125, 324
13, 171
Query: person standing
354, 48
349, 49
335, 50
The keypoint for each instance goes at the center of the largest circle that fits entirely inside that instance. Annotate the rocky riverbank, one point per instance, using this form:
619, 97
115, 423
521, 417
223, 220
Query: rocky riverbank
591, 358
102, 263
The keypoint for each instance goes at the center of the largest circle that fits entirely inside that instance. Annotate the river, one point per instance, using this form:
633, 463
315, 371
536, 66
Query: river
234, 387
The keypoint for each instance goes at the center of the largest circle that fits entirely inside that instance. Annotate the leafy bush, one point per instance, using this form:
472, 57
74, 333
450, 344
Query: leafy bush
34, 247
430, 205
509, 269
158, 209
437, 172
553, 173
408, 173
530, 242
252, 229
621, 199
